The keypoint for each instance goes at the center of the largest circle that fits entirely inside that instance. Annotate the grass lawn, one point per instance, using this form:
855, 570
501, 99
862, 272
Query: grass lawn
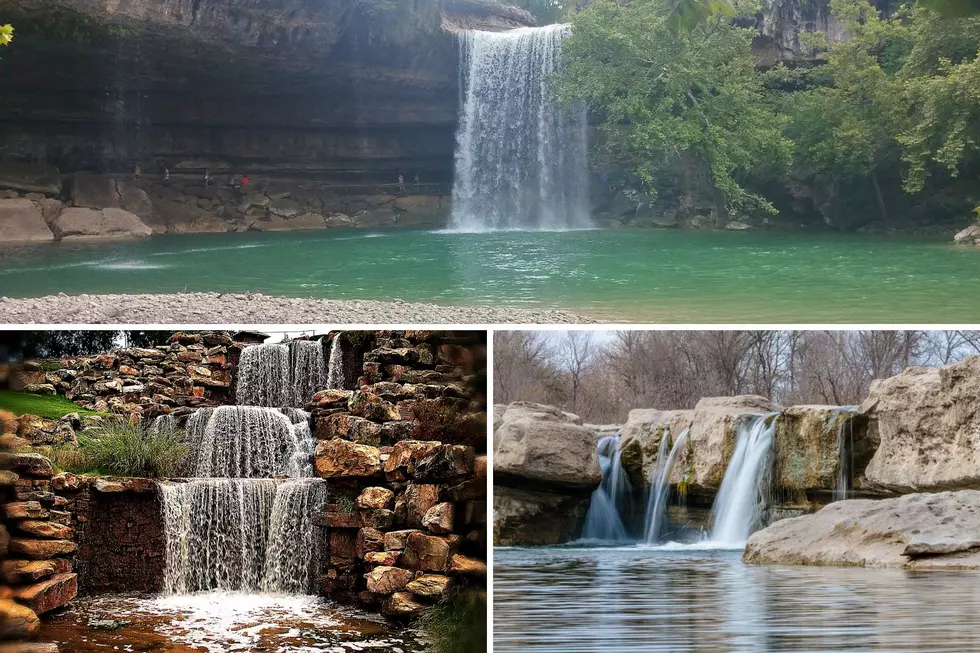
21, 403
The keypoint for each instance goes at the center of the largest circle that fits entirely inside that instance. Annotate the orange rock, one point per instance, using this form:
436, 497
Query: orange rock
49, 594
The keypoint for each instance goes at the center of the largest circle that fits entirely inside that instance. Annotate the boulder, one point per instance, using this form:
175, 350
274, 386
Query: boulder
24, 510
134, 199
21, 221
401, 460
397, 540
430, 586
48, 594
969, 236
402, 604
41, 549
81, 223
342, 459
374, 498
445, 463
382, 558
44, 529
735, 225
418, 499
330, 399
19, 572
640, 439
439, 518
916, 531
30, 178
460, 564
426, 552
348, 427
388, 580
94, 191
17, 622
928, 426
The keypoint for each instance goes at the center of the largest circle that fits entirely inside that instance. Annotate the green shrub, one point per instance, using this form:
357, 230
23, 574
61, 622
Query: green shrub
119, 448
68, 458
457, 624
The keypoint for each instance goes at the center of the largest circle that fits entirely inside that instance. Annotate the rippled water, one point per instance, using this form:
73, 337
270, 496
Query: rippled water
572, 600
221, 622
617, 275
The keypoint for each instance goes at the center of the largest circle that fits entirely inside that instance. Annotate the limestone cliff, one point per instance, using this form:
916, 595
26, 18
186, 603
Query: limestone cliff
339, 89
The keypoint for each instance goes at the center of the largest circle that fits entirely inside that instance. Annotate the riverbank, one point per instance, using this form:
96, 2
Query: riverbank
256, 308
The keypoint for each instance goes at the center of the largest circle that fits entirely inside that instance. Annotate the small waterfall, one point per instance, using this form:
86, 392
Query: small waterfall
520, 157
242, 535
250, 442
263, 376
335, 368
845, 453
660, 484
307, 370
736, 507
611, 500
161, 423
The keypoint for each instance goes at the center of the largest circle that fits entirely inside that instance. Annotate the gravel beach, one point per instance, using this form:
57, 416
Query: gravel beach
216, 308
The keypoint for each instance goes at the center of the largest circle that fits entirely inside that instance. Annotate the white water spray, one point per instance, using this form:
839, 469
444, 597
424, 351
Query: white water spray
611, 500
335, 368
737, 505
660, 485
520, 157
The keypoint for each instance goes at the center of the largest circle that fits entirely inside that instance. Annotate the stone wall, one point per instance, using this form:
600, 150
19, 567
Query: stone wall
36, 547
405, 459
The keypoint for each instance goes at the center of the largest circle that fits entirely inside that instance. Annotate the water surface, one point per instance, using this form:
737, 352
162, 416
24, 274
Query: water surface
577, 600
615, 275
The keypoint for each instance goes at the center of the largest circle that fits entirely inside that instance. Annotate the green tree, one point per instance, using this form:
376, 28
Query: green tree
665, 95
6, 34
57, 344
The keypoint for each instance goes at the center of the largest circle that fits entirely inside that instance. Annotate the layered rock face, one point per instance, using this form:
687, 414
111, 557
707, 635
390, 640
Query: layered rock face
918, 531
929, 424
343, 89
545, 468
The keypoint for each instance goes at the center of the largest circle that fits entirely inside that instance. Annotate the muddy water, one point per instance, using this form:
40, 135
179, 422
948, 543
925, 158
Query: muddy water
215, 623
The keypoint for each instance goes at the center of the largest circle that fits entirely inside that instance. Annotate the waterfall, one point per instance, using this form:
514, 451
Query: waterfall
243, 535
307, 370
660, 485
845, 454
520, 157
611, 500
335, 368
263, 376
249, 442
276, 374
736, 507
163, 423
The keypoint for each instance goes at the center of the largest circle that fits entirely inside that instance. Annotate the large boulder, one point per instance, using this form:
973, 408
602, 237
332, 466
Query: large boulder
21, 221
94, 191
969, 236
929, 425
916, 531
545, 469
79, 224
134, 199
640, 439
30, 178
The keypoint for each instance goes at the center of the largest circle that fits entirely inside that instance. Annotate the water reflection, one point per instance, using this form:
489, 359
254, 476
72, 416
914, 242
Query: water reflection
573, 600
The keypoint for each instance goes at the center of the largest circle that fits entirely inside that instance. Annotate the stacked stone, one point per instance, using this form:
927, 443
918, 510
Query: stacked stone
191, 371
36, 548
410, 521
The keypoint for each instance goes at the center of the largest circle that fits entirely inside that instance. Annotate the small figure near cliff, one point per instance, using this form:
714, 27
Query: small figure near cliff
207, 177
401, 183
137, 173
244, 180
166, 174
417, 182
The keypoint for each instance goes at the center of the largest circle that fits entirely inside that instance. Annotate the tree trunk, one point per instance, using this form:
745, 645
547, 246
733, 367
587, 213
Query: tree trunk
878, 196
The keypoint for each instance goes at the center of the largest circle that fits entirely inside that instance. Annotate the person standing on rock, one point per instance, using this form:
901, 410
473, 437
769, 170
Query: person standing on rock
244, 180
137, 173
166, 174
401, 183
207, 177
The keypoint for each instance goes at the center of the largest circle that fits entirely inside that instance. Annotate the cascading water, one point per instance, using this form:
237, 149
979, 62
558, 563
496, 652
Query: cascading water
736, 507
660, 484
611, 500
335, 368
307, 370
276, 374
845, 453
520, 157
263, 376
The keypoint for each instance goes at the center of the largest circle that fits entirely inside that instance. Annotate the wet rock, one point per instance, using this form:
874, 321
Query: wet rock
806, 446
30, 178
41, 549
19, 572
443, 464
735, 225
375, 497
969, 236
49, 594
77, 223
426, 552
402, 604
917, 531
17, 622
927, 423
403, 456
21, 221
94, 191
342, 459
387, 580
439, 518
460, 564
369, 540
44, 529
418, 499
430, 586
348, 427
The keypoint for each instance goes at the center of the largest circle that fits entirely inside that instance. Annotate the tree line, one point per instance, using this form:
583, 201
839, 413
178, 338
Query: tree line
602, 376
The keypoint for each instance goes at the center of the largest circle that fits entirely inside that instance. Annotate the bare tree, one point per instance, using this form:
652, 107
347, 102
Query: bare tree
576, 351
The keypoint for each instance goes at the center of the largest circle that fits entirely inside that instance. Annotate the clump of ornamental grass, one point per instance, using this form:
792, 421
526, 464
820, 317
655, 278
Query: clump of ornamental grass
118, 447
458, 623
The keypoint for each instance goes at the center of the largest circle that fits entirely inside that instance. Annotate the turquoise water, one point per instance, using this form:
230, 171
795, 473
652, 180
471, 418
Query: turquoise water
612, 275
582, 600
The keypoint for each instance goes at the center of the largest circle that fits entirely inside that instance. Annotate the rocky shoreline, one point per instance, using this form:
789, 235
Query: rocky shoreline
255, 308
